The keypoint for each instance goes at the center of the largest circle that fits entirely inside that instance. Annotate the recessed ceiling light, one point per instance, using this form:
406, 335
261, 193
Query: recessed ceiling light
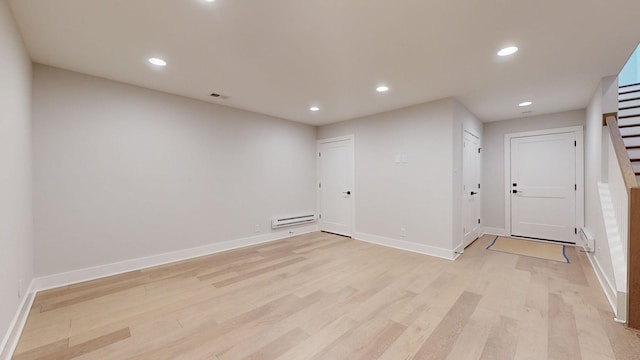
508, 51
157, 62
209, 1
314, 108
525, 103
382, 88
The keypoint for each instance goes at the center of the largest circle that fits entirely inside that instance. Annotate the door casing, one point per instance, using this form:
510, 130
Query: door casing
578, 131
319, 177
478, 228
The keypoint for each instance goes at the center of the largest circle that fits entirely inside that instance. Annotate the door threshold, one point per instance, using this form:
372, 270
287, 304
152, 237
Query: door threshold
329, 232
472, 241
542, 240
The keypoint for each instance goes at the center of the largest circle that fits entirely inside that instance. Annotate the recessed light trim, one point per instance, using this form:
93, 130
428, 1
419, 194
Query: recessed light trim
157, 62
525, 103
509, 50
314, 108
382, 88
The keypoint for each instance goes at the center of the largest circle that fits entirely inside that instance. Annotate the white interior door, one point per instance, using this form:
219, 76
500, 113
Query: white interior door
543, 186
336, 185
470, 187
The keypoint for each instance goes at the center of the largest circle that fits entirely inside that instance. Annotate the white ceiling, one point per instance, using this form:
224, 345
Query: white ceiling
279, 57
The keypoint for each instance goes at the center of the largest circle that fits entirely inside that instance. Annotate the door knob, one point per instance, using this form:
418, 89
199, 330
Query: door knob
347, 192
473, 193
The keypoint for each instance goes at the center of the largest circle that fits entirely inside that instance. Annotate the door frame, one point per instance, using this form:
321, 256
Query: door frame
578, 131
479, 198
354, 193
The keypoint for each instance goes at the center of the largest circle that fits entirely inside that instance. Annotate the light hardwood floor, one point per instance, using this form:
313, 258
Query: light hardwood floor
321, 296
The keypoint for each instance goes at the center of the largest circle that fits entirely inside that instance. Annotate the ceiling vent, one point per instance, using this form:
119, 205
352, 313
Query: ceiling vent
218, 96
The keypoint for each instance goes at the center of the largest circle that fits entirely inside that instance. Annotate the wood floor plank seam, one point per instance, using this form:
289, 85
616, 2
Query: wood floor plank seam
70, 352
321, 296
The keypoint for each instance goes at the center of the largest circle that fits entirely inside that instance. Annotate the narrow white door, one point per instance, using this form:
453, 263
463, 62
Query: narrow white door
336, 185
470, 188
543, 186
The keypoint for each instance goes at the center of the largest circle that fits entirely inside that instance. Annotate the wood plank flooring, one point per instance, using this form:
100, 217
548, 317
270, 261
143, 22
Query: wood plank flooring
321, 296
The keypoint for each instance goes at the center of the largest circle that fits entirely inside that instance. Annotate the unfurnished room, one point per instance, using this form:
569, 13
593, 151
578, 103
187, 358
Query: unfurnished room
218, 179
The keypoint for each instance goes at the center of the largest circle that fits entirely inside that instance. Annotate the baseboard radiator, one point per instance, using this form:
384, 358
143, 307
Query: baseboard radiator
292, 220
589, 242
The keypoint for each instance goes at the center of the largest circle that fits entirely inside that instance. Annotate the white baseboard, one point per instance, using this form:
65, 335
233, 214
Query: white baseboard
406, 245
621, 313
608, 288
458, 251
494, 231
10, 341
96, 272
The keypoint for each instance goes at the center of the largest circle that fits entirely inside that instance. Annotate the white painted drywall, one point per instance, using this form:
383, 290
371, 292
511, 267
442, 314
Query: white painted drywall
596, 169
123, 172
463, 120
16, 246
416, 195
493, 157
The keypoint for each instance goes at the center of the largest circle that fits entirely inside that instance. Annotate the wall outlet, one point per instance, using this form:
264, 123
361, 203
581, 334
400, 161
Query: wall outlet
403, 232
257, 228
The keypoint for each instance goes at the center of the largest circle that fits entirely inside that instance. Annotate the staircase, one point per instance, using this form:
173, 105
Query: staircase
625, 137
629, 122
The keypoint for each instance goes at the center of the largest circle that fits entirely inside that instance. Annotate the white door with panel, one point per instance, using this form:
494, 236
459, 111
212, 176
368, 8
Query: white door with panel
470, 187
543, 186
335, 185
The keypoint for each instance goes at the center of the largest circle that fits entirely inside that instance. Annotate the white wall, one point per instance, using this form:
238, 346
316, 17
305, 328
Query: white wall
417, 195
123, 172
493, 157
604, 100
16, 247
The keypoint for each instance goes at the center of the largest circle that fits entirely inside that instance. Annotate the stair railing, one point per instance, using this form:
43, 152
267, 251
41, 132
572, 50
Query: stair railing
633, 221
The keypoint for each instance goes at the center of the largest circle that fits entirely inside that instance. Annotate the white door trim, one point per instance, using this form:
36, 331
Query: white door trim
462, 201
353, 176
578, 131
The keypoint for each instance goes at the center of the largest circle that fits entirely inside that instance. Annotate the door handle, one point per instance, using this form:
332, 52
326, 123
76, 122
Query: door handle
348, 192
473, 193
516, 191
